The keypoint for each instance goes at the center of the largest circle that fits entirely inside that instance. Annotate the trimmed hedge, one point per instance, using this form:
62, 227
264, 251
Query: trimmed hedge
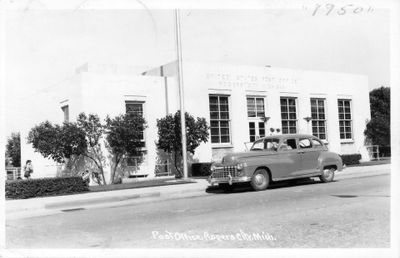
351, 159
22, 189
201, 169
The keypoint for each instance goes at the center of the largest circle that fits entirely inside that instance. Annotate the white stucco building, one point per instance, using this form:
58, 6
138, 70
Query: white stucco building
241, 103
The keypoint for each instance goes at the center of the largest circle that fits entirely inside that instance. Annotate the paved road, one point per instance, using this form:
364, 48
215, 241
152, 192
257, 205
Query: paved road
352, 212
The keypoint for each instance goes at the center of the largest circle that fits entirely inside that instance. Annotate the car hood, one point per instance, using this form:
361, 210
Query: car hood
238, 156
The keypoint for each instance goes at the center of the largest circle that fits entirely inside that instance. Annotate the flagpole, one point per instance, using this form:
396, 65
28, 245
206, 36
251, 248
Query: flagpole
181, 93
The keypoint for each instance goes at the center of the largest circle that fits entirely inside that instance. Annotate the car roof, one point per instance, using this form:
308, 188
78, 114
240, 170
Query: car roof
290, 136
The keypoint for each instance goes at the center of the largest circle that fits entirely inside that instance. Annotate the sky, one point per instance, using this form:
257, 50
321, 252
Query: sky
43, 47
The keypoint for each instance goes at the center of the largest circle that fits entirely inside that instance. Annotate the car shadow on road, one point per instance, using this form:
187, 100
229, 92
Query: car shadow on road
246, 187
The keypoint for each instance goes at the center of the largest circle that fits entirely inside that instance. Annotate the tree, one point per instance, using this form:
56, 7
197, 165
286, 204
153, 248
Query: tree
61, 143
124, 135
378, 128
57, 142
169, 135
13, 149
93, 130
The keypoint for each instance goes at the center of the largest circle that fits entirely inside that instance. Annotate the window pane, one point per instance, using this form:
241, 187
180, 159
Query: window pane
224, 124
224, 139
223, 100
214, 124
214, 131
213, 107
213, 100
214, 139
224, 108
224, 115
224, 131
251, 114
214, 115
250, 102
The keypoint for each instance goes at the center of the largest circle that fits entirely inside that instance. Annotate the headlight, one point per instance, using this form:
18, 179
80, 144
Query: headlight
212, 168
241, 166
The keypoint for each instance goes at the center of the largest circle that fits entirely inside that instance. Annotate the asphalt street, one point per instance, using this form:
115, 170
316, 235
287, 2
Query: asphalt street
351, 212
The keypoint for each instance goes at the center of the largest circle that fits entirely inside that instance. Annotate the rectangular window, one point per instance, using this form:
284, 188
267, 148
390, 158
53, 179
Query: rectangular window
289, 115
136, 107
318, 121
219, 119
345, 119
65, 110
255, 107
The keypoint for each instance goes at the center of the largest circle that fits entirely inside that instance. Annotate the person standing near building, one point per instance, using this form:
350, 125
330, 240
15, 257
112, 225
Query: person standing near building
28, 169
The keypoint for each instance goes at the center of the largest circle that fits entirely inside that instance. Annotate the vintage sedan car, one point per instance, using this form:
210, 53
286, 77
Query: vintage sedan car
275, 158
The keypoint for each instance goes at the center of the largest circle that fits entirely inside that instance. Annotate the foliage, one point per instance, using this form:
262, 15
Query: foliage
13, 149
378, 128
351, 159
169, 135
93, 130
201, 169
124, 135
57, 142
22, 189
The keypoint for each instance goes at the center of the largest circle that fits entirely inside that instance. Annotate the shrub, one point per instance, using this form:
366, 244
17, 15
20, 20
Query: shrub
201, 169
351, 159
22, 189
384, 151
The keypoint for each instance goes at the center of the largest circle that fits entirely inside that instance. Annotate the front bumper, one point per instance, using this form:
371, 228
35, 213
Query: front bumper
229, 180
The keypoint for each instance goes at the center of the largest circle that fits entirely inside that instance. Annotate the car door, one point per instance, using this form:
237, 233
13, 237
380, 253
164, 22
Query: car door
309, 156
289, 159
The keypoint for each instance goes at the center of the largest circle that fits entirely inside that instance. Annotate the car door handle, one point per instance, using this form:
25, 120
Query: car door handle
301, 152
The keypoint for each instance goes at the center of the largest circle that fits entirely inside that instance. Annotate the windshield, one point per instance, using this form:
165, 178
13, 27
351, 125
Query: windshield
266, 144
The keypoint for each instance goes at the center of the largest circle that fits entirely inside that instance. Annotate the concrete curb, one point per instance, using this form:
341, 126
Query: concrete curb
50, 205
30, 207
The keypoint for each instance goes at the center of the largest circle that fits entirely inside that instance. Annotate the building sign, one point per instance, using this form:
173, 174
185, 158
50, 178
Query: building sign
268, 82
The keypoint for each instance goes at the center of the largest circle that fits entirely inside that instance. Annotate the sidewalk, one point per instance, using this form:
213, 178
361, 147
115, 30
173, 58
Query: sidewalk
17, 209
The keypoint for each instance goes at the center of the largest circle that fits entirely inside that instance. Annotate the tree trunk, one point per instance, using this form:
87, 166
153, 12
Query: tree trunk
179, 173
114, 169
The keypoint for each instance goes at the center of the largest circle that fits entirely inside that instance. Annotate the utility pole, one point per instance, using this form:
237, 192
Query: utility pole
181, 93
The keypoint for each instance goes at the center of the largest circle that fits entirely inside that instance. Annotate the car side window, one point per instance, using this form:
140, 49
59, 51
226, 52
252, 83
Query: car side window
316, 143
289, 144
305, 143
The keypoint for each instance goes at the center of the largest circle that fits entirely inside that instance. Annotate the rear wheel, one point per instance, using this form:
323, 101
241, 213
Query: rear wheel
328, 174
260, 180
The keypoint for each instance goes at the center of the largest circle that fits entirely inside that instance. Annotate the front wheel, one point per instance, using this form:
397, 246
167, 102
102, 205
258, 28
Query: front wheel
260, 180
327, 175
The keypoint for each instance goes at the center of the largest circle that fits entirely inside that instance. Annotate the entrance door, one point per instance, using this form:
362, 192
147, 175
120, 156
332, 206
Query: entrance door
256, 130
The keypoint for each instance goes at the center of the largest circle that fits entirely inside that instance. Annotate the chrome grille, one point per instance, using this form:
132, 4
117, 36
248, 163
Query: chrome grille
224, 172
